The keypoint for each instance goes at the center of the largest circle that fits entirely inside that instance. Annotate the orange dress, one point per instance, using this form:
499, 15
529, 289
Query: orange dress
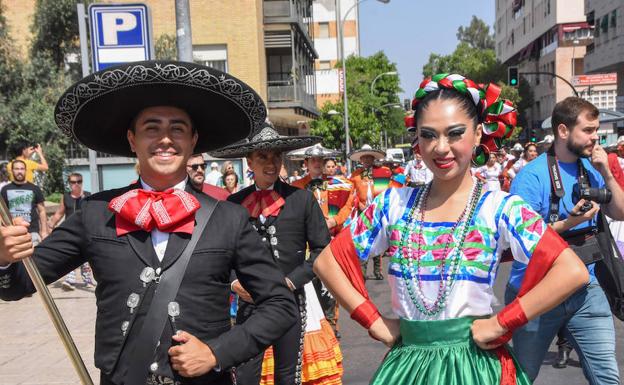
322, 358
333, 197
370, 182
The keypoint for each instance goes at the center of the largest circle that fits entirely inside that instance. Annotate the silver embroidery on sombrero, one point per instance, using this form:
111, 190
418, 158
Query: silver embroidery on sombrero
108, 81
265, 139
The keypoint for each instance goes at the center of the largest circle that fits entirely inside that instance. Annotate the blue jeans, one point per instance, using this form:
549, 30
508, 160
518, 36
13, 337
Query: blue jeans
588, 324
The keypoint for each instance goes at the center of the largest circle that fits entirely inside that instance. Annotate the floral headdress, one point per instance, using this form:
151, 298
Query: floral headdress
498, 116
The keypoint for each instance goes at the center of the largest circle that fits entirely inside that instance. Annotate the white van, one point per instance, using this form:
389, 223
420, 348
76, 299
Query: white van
396, 154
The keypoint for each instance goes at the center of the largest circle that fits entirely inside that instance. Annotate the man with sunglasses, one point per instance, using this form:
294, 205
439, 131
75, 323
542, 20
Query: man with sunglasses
196, 170
70, 202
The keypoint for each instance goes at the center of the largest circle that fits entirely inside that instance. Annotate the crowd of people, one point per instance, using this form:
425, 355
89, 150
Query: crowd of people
256, 274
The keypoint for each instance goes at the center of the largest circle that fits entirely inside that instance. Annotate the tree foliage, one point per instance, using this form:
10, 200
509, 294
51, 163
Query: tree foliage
477, 34
55, 30
30, 88
165, 47
367, 118
475, 58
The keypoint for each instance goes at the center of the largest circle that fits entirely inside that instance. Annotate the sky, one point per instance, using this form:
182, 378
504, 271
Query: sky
408, 31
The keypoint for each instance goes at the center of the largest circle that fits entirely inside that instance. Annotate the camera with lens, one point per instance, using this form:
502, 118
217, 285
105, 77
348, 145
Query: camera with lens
582, 190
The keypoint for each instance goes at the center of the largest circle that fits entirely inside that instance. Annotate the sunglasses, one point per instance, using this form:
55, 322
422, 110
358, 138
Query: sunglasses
75, 182
197, 165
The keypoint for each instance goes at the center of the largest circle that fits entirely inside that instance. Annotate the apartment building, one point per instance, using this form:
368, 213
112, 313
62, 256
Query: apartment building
606, 52
546, 36
328, 87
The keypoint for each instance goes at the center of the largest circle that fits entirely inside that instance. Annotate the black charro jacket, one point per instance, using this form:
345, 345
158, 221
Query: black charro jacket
300, 224
229, 243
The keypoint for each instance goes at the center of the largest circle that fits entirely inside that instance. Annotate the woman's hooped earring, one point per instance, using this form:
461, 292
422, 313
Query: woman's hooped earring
480, 155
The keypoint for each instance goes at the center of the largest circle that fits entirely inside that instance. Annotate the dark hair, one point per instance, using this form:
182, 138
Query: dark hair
329, 159
464, 101
526, 148
75, 175
568, 110
19, 148
228, 173
17, 161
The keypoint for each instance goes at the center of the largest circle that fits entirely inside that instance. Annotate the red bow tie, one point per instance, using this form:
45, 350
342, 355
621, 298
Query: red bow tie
265, 202
169, 211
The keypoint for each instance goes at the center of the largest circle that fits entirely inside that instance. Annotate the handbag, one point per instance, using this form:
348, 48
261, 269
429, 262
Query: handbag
610, 269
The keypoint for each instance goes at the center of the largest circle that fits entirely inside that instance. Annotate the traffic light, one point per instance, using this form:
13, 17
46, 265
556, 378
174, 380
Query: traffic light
533, 137
512, 76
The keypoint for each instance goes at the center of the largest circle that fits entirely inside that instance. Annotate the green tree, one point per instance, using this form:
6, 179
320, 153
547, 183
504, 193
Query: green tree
477, 34
9, 63
31, 120
55, 32
367, 118
165, 47
27, 105
475, 58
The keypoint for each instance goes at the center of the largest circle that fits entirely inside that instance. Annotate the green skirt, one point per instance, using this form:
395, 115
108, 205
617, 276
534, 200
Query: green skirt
441, 352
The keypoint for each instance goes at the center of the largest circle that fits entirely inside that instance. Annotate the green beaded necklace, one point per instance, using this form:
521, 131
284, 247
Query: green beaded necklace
411, 273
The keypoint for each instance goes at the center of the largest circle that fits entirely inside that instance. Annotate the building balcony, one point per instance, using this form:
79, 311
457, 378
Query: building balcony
292, 98
297, 13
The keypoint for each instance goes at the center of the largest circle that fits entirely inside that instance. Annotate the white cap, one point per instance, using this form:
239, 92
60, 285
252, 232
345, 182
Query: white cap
214, 165
517, 147
620, 139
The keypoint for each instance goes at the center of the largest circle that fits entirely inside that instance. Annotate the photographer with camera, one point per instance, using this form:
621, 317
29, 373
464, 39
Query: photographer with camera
568, 186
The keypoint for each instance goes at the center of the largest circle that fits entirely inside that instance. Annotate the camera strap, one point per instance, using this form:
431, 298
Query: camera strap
556, 185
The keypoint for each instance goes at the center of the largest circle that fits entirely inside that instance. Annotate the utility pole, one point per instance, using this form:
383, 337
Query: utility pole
84, 58
183, 30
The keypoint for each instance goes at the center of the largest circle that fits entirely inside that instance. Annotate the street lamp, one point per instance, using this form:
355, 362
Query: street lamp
387, 105
334, 113
340, 25
389, 73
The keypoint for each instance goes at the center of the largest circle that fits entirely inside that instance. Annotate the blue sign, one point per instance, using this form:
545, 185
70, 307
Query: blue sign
119, 34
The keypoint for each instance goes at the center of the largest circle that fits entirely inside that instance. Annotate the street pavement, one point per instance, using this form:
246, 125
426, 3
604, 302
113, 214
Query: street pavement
32, 354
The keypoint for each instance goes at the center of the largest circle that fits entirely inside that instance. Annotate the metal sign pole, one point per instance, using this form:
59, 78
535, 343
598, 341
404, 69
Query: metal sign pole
84, 58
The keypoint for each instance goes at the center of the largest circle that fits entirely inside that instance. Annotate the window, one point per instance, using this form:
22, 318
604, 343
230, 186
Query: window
279, 65
214, 56
548, 7
324, 65
613, 18
604, 24
323, 30
524, 26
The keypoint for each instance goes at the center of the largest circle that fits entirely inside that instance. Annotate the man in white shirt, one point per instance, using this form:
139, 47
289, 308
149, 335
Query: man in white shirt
214, 176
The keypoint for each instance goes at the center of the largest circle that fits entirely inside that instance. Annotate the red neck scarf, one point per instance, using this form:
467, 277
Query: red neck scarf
169, 211
265, 202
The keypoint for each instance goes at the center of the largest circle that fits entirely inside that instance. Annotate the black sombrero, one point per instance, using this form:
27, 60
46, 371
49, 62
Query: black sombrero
98, 110
265, 139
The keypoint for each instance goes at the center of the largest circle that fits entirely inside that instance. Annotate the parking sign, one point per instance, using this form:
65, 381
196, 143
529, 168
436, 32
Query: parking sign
119, 34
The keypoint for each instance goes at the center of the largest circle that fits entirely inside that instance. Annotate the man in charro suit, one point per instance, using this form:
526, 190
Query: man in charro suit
288, 220
135, 236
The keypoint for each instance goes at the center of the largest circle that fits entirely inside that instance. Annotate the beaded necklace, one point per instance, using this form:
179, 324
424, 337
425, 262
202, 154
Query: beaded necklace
416, 218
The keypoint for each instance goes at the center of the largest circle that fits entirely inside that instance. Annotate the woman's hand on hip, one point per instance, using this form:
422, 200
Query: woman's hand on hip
486, 330
385, 330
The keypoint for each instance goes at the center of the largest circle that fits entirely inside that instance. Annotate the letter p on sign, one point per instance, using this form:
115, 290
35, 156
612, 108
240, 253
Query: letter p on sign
115, 22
